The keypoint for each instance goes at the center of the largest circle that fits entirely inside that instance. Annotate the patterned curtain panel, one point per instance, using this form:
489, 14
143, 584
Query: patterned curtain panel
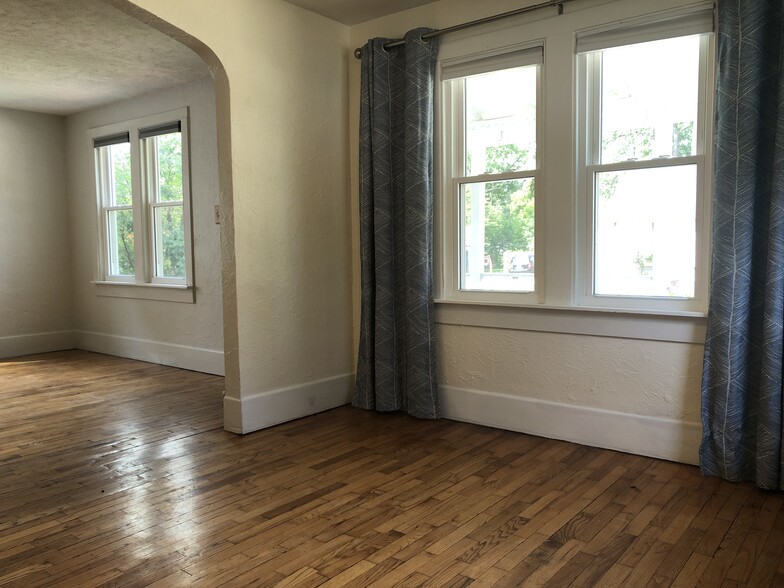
742, 378
396, 367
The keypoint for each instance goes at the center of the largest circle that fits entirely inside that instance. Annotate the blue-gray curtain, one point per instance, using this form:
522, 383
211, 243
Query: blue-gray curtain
396, 368
742, 378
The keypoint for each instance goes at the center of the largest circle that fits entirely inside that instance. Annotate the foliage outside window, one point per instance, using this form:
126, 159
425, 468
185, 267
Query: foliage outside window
164, 156
143, 195
496, 186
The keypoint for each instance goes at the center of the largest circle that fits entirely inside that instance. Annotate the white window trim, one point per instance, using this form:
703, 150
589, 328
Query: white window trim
588, 153
143, 285
559, 290
452, 141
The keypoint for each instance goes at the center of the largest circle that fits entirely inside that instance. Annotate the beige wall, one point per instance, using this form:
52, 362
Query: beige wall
289, 78
617, 391
286, 70
35, 284
187, 335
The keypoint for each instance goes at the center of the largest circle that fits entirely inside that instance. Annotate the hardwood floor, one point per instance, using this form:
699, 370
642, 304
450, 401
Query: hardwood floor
118, 473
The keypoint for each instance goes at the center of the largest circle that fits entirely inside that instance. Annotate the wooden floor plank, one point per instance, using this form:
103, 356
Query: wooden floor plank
118, 473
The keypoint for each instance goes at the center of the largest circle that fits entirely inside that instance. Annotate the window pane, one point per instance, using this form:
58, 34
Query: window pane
120, 162
501, 121
649, 100
498, 235
121, 242
169, 242
167, 150
646, 232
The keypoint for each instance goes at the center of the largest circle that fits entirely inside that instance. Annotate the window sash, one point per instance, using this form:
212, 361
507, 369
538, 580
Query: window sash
112, 245
615, 299
158, 251
463, 259
454, 126
147, 247
589, 68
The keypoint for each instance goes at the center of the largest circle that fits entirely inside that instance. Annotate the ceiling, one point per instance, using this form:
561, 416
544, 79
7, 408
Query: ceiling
64, 56
351, 12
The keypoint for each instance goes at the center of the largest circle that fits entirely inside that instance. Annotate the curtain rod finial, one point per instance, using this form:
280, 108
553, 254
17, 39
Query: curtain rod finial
358, 53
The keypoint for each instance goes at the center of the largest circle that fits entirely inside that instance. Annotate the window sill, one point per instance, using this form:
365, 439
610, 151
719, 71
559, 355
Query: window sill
677, 327
160, 292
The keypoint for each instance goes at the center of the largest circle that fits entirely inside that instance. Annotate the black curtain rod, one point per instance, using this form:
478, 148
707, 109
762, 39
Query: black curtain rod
473, 23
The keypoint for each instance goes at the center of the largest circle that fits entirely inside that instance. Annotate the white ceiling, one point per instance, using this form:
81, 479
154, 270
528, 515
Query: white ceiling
64, 56
351, 12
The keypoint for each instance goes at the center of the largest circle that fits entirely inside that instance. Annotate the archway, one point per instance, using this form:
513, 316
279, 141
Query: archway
223, 123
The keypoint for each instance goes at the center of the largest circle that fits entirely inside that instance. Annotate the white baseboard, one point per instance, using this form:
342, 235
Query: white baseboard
182, 356
259, 411
662, 438
17, 345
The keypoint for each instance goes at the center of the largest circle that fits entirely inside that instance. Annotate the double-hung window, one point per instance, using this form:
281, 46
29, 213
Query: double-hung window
575, 167
161, 156
143, 196
643, 96
493, 172
113, 175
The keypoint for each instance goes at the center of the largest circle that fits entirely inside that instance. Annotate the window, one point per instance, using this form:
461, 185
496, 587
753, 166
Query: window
143, 199
161, 149
494, 169
645, 168
113, 166
579, 177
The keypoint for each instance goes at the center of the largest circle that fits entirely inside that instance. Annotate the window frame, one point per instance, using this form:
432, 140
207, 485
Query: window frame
104, 174
143, 207
588, 89
560, 223
450, 95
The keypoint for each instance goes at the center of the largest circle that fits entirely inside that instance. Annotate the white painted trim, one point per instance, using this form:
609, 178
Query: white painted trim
681, 328
208, 361
631, 433
16, 345
265, 409
162, 292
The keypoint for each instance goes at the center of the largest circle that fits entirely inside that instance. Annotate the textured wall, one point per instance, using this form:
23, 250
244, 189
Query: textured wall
287, 73
35, 285
195, 325
650, 378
